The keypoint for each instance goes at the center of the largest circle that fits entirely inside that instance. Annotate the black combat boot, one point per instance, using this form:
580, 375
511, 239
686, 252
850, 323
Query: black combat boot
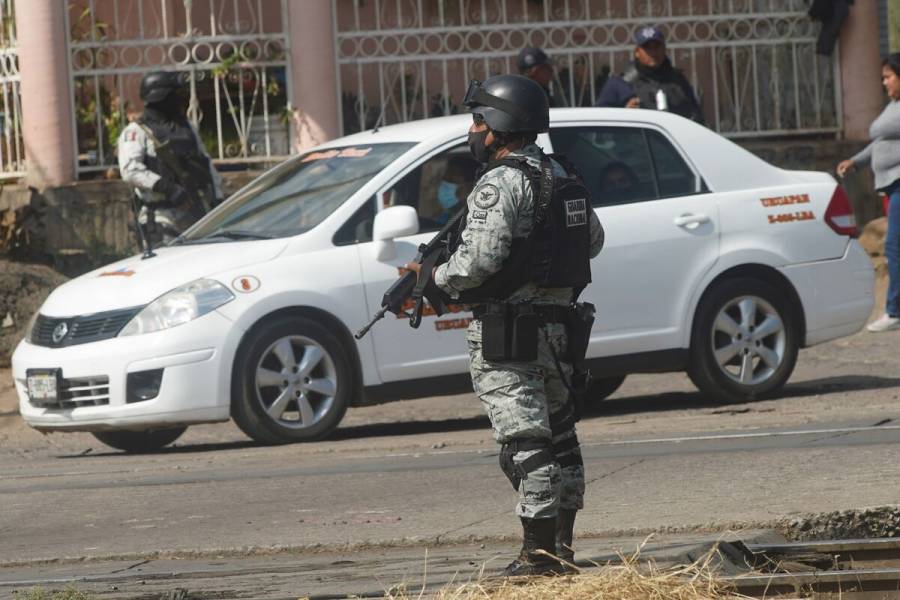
565, 532
539, 534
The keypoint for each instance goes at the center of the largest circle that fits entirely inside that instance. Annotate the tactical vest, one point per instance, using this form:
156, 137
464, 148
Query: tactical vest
556, 252
180, 139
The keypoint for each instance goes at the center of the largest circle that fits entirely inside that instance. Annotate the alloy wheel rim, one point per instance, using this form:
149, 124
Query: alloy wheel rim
296, 382
748, 340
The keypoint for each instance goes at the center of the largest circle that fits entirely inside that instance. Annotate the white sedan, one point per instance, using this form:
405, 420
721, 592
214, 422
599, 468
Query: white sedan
716, 263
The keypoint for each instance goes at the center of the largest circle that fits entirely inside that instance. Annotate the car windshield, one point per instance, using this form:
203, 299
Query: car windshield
296, 196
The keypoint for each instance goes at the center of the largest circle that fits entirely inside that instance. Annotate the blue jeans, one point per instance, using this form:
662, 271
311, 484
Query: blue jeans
892, 252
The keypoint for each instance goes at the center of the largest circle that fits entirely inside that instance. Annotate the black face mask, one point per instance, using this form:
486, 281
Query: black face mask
477, 146
173, 107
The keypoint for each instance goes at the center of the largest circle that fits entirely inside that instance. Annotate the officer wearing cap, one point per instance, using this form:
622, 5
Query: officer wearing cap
537, 66
525, 209
162, 156
651, 81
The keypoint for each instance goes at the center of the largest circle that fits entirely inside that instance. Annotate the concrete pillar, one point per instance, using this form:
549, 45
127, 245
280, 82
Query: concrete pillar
314, 72
47, 127
863, 97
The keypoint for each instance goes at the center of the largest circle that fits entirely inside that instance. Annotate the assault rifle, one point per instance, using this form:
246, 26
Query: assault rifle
418, 288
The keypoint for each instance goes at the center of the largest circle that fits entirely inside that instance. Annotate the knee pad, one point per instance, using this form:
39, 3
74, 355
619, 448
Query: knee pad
516, 472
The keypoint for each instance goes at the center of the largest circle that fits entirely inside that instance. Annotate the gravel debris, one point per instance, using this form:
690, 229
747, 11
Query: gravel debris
878, 522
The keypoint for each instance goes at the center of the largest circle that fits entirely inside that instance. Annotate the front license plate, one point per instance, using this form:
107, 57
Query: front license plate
43, 384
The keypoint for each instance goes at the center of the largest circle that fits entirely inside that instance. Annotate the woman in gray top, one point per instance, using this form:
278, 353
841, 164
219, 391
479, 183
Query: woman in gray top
883, 154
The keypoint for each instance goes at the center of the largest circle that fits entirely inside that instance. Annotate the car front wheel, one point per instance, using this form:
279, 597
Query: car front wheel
745, 342
140, 441
292, 382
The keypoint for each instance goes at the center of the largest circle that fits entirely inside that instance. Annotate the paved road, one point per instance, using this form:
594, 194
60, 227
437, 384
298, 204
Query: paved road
659, 456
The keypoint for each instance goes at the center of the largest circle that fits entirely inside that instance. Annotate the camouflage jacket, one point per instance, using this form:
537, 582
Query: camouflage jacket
501, 207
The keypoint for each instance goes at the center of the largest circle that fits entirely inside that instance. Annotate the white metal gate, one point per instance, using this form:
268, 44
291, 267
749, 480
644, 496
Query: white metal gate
752, 62
234, 53
12, 153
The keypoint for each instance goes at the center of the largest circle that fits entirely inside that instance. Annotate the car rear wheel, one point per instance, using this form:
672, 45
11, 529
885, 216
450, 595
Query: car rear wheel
140, 441
745, 342
292, 382
604, 387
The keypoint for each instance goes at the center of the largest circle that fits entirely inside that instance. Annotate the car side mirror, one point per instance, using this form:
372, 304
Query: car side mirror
390, 223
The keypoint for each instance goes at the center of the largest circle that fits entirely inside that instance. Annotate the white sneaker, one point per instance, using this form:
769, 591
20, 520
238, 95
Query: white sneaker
884, 323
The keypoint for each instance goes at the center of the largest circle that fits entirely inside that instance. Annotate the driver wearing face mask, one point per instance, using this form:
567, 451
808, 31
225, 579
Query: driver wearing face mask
455, 186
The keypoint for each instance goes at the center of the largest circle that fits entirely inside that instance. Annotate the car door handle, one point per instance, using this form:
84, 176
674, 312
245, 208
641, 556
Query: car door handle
691, 221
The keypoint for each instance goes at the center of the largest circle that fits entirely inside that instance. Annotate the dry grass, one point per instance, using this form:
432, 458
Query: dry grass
630, 580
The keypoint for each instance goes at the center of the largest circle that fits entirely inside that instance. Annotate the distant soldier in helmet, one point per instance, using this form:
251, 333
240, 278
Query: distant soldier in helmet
521, 260
162, 156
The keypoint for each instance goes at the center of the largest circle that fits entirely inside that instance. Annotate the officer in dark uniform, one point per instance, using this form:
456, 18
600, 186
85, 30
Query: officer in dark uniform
534, 64
521, 260
651, 81
162, 156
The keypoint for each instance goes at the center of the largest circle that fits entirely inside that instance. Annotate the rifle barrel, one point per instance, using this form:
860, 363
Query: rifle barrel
378, 316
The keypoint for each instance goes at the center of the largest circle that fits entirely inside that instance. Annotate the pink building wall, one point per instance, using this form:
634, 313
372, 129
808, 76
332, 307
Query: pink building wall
46, 93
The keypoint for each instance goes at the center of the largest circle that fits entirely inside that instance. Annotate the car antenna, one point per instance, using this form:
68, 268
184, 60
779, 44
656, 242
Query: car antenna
379, 121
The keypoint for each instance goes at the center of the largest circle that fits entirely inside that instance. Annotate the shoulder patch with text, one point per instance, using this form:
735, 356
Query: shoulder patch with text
479, 215
486, 195
576, 212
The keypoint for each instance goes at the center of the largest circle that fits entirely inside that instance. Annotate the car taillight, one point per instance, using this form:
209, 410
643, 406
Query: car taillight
839, 214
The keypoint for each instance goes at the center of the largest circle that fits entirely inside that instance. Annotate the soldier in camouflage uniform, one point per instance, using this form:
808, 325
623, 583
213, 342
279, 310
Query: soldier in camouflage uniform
528, 403
170, 201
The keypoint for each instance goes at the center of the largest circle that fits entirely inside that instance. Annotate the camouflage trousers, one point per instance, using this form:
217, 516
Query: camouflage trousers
523, 401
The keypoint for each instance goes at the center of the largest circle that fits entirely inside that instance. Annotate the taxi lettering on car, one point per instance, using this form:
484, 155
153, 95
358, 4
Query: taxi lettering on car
715, 263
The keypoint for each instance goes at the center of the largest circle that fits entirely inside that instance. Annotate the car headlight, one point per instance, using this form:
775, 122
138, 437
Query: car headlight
179, 306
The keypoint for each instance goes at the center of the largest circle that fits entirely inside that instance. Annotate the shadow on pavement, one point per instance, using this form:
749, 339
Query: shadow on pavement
409, 428
685, 400
624, 406
846, 383
101, 450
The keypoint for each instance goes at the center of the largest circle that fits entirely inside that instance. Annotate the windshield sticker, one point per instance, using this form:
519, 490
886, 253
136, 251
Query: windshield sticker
245, 284
785, 200
354, 152
345, 153
123, 272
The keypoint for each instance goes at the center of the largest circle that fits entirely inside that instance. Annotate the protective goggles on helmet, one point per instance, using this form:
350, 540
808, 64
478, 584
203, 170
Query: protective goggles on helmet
476, 96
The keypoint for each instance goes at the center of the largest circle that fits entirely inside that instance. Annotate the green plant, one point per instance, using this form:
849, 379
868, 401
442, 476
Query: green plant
37, 593
93, 98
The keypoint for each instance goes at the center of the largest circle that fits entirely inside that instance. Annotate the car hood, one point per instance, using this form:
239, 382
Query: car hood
136, 282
